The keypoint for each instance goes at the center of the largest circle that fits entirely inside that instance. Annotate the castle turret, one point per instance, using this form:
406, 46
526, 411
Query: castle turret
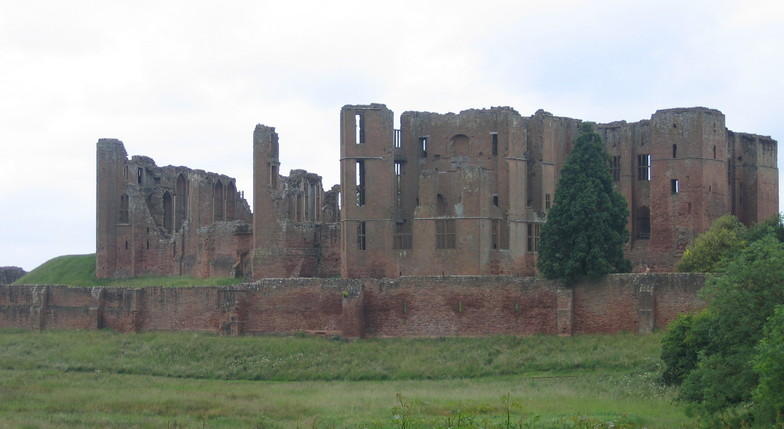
112, 204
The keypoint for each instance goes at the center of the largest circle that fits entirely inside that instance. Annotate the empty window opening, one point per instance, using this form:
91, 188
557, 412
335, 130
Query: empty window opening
148, 244
423, 147
503, 234
495, 200
547, 201
494, 233
396, 138
167, 212
533, 237
139, 175
126, 244
644, 167
643, 223
674, 125
675, 186
615, 167
359, 128
495, 143
675, 151
398, 182
124, 217
125, 172
360, 181
714, 151
446, 237
180, 200
231, 201
402, 238
217, 201
273, 177
441, 205
361, 236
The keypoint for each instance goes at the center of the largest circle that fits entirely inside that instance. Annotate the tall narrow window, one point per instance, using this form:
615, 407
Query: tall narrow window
231, 201
547, 201
616, 168
396, 138
217, 201
361, 236
423, 147
445, 234
402, 238
714, 151
675, 186
494, 234
359, 128
675, 151
124, 217
398, 182
360, 180
644, 167
494, 136
643, 223
181, 203
273, 175
495, 200
533, 237
167, 212
125, 172
503, 240
139, 175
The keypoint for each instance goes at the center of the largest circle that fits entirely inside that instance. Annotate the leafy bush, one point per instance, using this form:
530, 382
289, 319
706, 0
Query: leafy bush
681, 345
769, 367
710, 250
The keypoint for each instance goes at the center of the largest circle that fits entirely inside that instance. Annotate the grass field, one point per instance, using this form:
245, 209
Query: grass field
79, 270
104, 379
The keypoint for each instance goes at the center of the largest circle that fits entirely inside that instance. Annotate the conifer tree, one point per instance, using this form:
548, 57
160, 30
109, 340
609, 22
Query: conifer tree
586, 228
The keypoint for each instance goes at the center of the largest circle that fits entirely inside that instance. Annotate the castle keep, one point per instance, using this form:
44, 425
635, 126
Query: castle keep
446, 194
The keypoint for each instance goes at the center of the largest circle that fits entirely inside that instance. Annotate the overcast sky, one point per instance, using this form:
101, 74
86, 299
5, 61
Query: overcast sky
185, 82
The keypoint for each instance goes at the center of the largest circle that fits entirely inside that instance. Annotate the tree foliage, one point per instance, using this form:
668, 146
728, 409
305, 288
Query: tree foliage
714, 354
710, 250
586, 227
769, 366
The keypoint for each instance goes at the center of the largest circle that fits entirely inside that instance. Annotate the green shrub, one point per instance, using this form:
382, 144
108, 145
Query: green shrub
769, 367
710, 251
681, 345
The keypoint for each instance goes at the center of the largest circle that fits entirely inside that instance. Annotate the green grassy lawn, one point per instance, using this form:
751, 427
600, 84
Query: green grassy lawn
104, 379
79, 270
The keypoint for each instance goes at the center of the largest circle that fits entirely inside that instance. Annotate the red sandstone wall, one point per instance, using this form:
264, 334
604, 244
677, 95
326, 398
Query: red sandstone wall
407, 306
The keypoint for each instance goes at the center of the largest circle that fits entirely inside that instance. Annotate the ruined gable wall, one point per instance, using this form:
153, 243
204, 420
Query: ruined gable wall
166, 220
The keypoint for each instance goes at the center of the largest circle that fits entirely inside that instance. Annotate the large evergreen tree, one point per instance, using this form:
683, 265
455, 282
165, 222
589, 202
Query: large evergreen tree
586, 227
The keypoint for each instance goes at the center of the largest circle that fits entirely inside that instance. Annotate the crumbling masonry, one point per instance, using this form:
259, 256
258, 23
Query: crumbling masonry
446, 194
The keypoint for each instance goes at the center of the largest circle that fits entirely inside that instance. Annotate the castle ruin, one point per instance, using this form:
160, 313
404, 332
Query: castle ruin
446, 194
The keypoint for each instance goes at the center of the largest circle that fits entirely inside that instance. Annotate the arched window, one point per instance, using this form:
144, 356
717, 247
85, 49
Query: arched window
643, 223
181, 200
124, 217
217, 201
167, 212
231, 201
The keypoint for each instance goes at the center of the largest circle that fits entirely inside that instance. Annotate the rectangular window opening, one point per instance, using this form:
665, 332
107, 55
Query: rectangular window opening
547, 201
396, 138
139, 175
644, 167
359, 128
675, 151
402, 238
675, 186
495, 200
398, 182
423, 147
495, 144
361, 236
533, 237
445, 234
494, 234
360, 180
616, 168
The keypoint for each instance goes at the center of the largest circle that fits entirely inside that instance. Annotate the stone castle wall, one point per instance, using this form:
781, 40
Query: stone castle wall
402, 307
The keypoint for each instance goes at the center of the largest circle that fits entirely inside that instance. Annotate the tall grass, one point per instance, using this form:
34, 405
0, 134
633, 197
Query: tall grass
79, 270
308, 358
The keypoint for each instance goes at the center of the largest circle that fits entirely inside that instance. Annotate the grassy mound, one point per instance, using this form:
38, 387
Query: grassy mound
79, 270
